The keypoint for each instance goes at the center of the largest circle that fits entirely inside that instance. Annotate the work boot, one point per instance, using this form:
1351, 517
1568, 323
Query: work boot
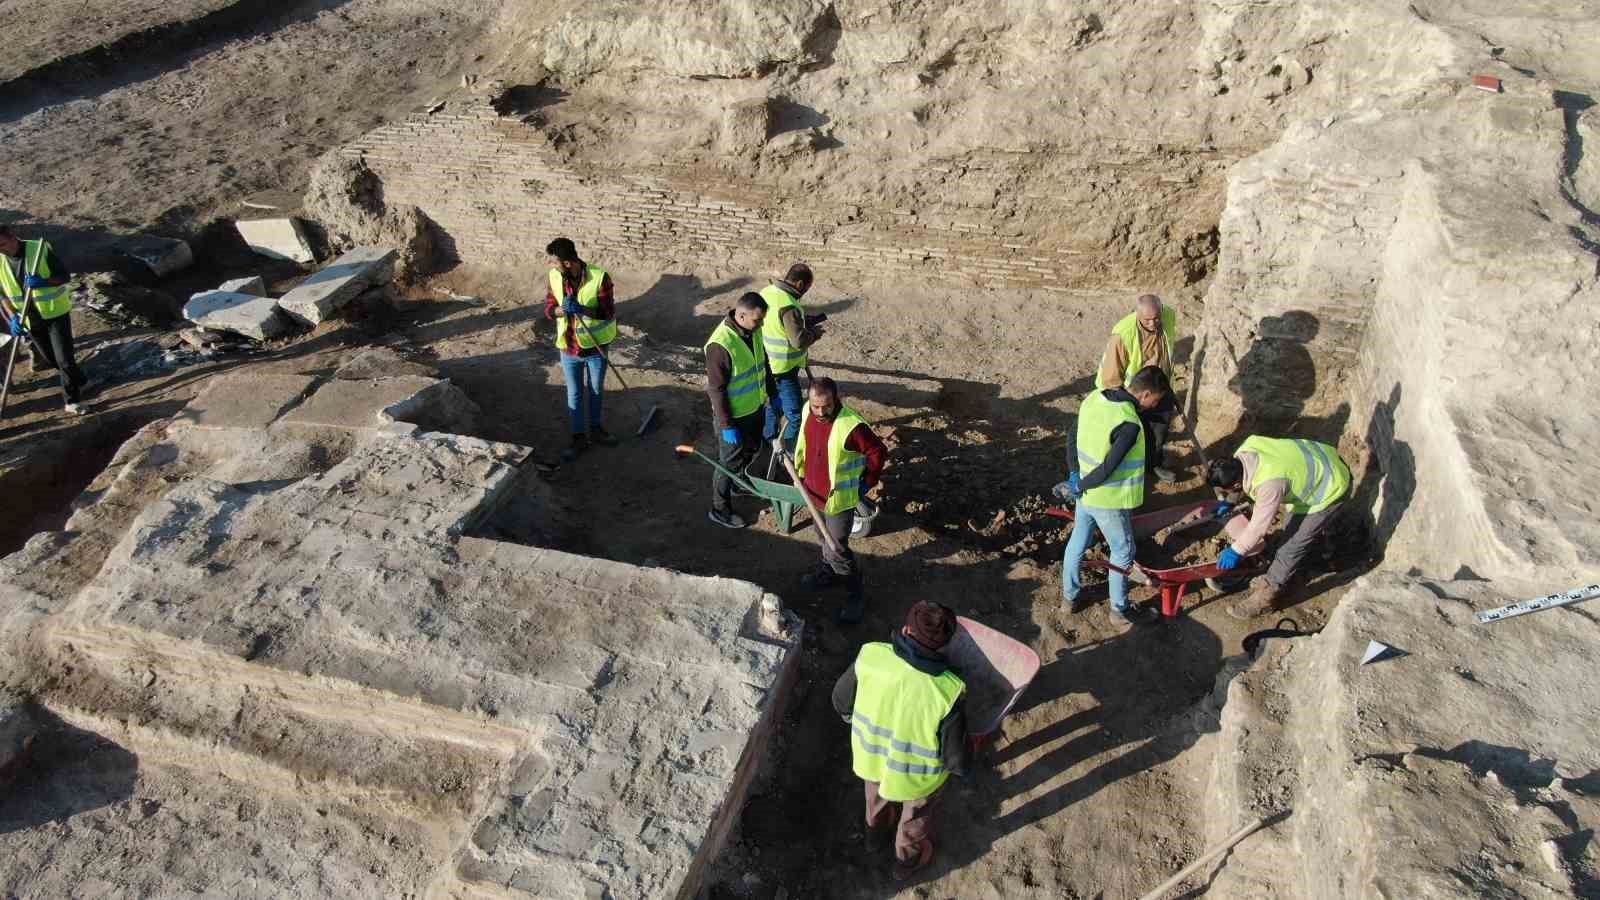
1134, 615
602, 437
1080, 603
1262, 599
729, 519
1163, 475
905, 868
819, 579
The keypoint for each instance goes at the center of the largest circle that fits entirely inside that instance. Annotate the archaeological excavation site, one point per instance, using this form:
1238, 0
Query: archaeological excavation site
1209, 515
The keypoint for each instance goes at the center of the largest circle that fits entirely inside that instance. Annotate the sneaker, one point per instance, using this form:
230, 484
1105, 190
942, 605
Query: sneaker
75, 409
819, 579
602, 437
580, 443
1262, 599
1134, 615
853, 610
1165, 476
726, 519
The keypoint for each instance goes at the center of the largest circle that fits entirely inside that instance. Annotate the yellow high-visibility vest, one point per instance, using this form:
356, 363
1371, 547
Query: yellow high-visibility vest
894, 726
782, 357
1317, 477
1097, 418
1128, 331
600, 331
51, 302
747, 384
845, 466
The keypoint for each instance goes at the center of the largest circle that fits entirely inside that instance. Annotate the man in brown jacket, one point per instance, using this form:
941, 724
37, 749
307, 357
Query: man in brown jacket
1145, 338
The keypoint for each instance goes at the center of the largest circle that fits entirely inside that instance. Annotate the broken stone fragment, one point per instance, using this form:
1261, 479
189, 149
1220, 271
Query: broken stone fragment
255, 284
345, 279
253, 316
745, 127
277, 238
162, 256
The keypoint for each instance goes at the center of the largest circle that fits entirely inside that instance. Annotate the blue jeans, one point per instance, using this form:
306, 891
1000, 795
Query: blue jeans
789, 402
1117, 526
575, 368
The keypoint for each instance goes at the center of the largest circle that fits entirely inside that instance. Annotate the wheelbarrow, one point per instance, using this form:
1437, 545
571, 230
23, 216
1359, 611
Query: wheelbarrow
996, 669
1177, 518
784, 498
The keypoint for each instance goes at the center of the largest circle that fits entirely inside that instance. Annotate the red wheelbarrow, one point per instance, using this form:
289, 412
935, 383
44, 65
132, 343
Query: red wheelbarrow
996, 670
1172, 583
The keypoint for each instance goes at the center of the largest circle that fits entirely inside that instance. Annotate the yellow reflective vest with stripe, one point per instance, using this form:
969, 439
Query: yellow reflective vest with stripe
894, 726
1128, 331
51, 302
782, 356
1097, 418
1317, 477
845, 466
600, 331
747, 380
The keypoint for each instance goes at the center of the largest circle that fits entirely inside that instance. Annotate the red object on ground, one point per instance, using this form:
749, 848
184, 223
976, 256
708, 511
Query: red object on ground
997, 669
1486, 83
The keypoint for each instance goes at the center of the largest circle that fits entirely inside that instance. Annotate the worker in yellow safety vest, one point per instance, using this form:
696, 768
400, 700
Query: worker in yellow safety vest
738, 385
787, 333
838, 460
34, 276
581, 300
1306, 477
1108, 485
1142, 338
908, 728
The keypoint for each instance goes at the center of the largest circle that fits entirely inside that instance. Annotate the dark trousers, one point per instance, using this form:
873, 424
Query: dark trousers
1156, 423
53, 337
736, 457
1298, 536
842, 564
916, 825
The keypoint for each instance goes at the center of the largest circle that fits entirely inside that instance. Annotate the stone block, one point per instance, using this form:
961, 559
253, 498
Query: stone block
745, 127
363, 405
255, 284
252, 400
162, 256
251, 315
276, 238
381, 362
342, 281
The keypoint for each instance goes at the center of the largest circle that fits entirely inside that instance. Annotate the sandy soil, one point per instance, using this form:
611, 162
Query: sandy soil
204, 111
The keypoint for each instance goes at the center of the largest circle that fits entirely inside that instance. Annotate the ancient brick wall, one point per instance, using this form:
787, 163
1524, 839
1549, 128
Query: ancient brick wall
499, 192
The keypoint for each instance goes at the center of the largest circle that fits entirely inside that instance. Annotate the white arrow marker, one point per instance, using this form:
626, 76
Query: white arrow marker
1375, 650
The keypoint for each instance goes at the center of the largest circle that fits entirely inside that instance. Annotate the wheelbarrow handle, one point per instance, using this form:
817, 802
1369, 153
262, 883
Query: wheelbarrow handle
738, 479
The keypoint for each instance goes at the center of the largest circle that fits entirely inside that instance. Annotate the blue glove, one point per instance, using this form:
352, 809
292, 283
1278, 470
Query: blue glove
36, 282
1072, 485
1222, 510
570, 306
14, 325
1228, 560
730, 436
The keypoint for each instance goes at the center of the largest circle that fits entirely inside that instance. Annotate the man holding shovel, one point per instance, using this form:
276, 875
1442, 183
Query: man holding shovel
581, 302
839, 460
738, 385
32, 273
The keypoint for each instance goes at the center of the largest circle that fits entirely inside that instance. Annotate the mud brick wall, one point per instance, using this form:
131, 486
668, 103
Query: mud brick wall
499, 192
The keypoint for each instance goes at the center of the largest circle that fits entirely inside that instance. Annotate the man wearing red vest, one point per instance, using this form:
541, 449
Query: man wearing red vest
839, 459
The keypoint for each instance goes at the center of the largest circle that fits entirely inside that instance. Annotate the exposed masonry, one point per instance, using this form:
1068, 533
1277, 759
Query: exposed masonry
493, 185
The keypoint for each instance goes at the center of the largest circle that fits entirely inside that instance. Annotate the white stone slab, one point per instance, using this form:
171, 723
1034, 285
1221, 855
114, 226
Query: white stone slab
342, 281
246, 314
277, 238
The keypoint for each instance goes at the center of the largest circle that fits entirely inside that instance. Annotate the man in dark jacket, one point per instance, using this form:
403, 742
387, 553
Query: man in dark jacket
738, 385
906, 712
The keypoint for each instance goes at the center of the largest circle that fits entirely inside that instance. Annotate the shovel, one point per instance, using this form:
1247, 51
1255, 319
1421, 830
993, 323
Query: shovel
647, 410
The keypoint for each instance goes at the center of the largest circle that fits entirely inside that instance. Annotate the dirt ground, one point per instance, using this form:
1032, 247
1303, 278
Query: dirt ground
1090, 792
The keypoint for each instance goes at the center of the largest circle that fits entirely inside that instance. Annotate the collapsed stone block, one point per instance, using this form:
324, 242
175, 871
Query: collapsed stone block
162, 256
276, 238
255, 284
342, 281
745, 127
251, 315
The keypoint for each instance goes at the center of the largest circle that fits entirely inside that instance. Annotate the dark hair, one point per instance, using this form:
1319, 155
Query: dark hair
798, 274
1224, 473
563, 249
826, 385
1149, 378
752, 301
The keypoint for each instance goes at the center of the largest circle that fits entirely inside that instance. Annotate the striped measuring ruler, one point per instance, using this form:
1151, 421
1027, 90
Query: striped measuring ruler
1549, 601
